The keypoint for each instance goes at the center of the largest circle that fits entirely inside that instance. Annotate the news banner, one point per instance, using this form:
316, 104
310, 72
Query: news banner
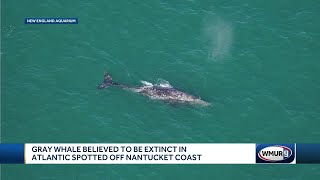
163, 153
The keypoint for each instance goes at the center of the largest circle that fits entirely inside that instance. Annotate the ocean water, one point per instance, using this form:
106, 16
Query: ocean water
257, 62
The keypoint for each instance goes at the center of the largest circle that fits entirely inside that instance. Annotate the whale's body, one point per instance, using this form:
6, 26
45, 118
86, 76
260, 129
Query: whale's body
164, 92
167, 93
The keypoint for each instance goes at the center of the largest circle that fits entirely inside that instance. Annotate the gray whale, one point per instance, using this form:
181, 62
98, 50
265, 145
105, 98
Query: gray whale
163, 92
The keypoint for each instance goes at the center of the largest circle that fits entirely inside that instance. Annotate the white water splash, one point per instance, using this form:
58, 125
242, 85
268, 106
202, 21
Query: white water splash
146, 83
163, 83
160, 82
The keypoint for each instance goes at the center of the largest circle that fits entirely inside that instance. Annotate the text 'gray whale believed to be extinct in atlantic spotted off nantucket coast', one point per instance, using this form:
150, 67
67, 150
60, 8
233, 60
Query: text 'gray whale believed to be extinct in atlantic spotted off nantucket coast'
162, 92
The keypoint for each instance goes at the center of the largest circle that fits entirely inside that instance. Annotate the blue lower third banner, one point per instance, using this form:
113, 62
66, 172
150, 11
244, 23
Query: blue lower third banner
159, 153
51, 20
12, 153
308, 153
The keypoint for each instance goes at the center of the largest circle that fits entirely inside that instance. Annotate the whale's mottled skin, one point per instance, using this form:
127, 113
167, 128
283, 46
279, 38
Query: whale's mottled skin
162, 92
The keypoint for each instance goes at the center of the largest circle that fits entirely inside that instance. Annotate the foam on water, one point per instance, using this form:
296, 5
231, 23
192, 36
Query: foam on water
163, 83
160, 82
146, 83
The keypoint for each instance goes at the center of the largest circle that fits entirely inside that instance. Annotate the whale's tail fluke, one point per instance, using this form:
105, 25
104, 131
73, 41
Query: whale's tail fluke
107, 81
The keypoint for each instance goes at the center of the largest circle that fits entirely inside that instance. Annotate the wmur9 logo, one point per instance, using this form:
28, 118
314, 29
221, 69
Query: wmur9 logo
275, 153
